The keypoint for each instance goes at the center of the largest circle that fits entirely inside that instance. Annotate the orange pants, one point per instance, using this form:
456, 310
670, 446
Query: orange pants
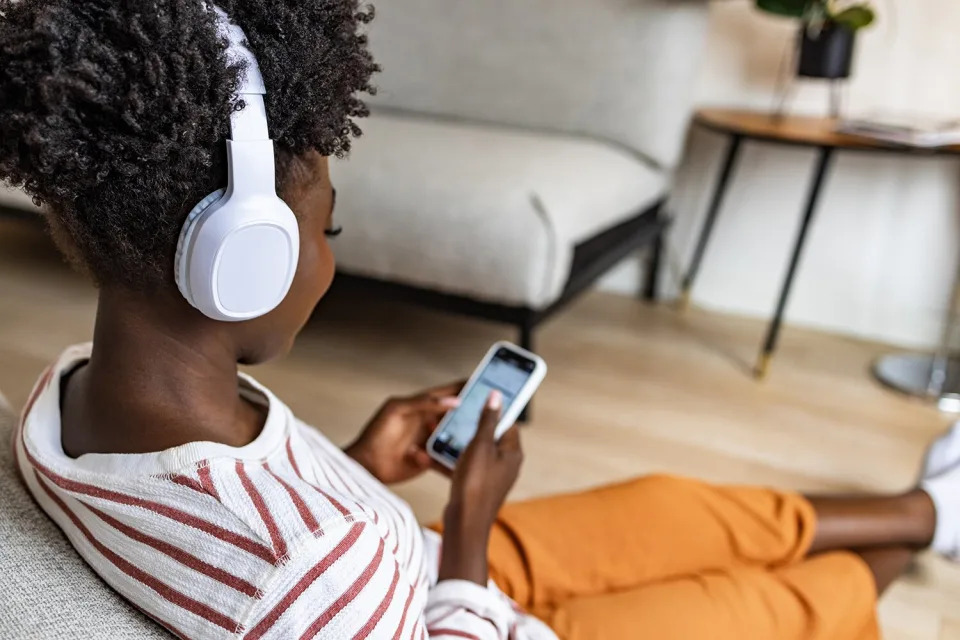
667, 558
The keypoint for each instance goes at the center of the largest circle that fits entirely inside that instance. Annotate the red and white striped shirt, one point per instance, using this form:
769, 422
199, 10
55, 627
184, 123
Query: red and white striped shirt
285, 538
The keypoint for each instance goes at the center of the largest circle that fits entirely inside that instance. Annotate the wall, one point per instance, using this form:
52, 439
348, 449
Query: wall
881, 255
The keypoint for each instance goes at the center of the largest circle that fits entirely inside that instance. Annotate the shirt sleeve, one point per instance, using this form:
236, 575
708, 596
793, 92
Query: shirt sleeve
455, 607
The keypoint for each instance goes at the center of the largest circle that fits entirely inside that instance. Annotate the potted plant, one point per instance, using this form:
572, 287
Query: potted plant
827, 35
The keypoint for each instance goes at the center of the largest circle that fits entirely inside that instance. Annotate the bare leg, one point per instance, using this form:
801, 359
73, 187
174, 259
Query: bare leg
906, 520
886, 531
887, 564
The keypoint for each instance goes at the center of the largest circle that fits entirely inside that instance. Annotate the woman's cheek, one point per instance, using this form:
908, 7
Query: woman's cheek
326, 267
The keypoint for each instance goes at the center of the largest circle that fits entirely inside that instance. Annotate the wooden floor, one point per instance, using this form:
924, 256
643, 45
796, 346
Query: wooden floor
632, 389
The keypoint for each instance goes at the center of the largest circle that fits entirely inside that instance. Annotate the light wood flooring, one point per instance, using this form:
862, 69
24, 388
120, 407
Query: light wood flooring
632, 389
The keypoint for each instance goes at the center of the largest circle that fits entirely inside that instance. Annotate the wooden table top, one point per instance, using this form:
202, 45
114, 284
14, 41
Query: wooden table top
808, 131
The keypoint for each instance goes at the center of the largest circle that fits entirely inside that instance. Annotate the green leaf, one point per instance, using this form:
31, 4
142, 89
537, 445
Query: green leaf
792, 8
856, 17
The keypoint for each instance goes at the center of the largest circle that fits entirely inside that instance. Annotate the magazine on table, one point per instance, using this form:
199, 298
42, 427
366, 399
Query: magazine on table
911, 130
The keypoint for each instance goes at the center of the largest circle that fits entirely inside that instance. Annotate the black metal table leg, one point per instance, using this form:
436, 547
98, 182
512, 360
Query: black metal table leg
773, 332
726, 170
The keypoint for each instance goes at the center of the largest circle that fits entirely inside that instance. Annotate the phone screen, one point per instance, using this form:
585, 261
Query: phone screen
507, 372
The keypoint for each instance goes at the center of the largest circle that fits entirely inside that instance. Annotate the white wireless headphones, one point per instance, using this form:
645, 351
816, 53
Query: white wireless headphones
239, 247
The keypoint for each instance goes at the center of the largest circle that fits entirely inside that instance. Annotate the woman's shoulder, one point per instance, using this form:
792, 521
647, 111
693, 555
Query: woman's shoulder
279, 499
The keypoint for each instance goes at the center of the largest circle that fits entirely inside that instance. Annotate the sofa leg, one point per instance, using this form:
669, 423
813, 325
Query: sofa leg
526, 341
526, 336
654, 259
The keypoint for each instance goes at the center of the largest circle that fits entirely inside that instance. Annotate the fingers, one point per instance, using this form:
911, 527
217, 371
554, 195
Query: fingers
419, 457
452, 389
435, 401
423, 432
430, 404
487, 429
510, 441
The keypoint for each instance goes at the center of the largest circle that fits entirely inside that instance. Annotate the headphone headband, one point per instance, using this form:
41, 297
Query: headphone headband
249, 123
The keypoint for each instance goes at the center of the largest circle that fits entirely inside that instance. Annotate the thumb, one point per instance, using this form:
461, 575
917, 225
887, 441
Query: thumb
486, 430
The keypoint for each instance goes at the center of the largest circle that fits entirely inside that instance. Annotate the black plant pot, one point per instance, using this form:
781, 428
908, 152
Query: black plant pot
828, 54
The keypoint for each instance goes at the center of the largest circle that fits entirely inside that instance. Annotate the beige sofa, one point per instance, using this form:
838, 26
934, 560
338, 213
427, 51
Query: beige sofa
15, 201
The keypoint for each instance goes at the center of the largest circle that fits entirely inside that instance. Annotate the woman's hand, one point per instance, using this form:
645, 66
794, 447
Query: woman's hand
484, 476
392, 446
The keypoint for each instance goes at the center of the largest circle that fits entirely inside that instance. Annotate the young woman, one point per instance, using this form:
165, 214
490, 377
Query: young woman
195, 493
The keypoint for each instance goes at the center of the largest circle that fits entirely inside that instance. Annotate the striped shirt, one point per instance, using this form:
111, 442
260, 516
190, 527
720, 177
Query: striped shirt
284, 538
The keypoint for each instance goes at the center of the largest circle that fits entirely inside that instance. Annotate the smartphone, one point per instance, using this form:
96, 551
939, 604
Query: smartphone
513, 371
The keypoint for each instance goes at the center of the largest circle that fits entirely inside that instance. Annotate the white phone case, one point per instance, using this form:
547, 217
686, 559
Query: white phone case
511, 414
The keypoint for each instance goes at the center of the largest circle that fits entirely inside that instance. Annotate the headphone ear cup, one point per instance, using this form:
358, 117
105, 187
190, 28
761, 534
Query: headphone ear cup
256, 261
186, 232
240, 257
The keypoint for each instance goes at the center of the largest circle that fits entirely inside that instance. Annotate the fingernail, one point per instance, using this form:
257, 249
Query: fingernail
496, 400
450, 403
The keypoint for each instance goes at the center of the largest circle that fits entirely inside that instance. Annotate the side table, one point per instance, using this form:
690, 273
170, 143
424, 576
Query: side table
803, 131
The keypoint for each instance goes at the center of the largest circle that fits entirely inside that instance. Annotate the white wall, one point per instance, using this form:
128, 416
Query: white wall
881, 255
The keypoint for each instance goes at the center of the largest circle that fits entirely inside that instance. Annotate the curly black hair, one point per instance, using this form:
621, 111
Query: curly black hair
113, 113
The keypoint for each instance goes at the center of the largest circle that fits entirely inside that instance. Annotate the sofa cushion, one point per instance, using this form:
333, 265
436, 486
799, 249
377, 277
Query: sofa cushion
623, 70
488, 212
48, 591
15, 199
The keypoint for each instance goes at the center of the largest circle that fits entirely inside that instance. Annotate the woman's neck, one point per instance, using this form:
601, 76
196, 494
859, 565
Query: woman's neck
153, 383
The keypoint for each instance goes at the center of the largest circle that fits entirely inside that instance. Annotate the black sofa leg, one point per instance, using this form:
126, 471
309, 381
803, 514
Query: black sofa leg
526, 341
654, 259
526, 336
